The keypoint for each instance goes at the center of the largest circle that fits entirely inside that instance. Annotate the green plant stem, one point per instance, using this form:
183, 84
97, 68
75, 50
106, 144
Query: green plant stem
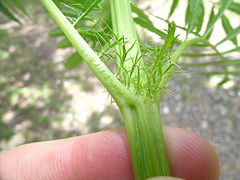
110, 82
124, 27
179, 51
146, 139
142, 116
234, 73
175, 57
229, 62
199, 55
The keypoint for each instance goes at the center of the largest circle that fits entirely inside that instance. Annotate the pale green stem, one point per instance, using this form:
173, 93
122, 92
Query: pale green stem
141, 117
169, 68
146, 139
124, 27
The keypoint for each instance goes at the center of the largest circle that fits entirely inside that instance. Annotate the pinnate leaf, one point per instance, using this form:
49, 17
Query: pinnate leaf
200, 18
6, 12
145, 22
194, 13
228, 28
224, 5
212, 15
230, 36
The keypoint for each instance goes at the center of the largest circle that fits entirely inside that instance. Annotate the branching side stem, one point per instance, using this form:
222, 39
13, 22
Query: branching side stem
110, 82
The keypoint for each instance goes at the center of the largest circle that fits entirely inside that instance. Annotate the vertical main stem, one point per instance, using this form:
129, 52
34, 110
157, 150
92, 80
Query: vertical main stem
142, 118
146, 140
124, 27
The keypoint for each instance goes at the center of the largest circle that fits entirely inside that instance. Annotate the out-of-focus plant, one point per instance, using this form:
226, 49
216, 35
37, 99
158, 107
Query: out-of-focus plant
11, 8
103, 32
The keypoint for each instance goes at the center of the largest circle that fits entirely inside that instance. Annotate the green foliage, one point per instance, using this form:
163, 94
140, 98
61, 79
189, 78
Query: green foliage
230, 36
5, 11
8, 7
194, 25
143, 20
210, 20
5, 133
161, 64
73, 61
88, 19
228, 29
173, 7
223, 6
235, 7
16, 5
65, 43
91, 19
194, 15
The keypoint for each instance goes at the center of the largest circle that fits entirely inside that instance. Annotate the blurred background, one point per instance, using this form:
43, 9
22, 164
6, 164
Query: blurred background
41, 100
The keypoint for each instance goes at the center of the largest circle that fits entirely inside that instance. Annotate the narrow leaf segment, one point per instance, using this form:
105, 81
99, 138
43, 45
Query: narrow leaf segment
213, 19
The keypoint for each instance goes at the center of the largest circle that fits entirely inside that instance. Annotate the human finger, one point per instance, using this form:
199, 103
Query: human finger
105, 156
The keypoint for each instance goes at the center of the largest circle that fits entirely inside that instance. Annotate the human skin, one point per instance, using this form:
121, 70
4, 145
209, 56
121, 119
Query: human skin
164, 178
105, 156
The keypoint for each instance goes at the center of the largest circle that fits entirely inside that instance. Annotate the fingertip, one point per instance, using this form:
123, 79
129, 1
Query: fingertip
103, 155
191, 156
